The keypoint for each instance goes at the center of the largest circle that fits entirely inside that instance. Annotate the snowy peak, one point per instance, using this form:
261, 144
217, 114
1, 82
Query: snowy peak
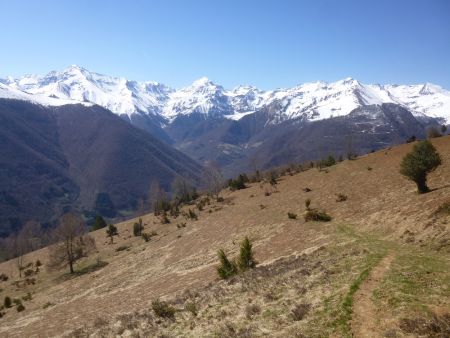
116, 94
203, 97
311, 101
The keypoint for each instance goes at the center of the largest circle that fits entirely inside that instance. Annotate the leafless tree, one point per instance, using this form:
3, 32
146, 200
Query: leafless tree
18, 248
71, 242
213, 180
28, 239
182, 190
158, 198
32, 235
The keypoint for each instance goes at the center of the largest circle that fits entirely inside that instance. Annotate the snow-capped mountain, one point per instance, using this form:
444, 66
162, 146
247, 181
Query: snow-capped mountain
310, 101
75, 83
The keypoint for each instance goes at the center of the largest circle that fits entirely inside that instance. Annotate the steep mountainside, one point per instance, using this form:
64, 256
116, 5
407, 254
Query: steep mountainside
73, 156
34, 178
380, 266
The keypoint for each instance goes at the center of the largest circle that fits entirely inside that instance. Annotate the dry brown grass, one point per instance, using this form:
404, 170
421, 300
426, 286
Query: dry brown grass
300, 263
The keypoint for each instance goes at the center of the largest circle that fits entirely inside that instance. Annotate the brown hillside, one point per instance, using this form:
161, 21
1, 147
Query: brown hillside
303, 267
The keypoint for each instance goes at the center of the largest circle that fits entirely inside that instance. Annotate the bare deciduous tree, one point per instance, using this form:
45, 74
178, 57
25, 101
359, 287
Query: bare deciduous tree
214, 181
158, 198
71, 242
183, 191
28, 239
33, 235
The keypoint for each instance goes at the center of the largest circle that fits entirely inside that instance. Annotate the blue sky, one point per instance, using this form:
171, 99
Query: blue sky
264, 43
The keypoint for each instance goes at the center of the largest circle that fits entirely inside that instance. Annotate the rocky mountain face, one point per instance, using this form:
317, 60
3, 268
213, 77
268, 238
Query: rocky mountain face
55, 159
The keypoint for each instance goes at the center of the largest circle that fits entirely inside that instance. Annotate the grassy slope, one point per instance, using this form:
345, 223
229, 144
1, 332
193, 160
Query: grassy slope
317, 264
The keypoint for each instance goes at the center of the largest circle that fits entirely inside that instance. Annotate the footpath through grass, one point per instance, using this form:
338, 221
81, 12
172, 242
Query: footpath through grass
414, 294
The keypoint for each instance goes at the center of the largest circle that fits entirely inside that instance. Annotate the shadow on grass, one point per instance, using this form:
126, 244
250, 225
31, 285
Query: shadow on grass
439, 188
84, 270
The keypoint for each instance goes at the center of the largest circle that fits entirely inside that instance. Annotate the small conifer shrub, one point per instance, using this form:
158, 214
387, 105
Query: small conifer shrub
146, 236
291, 215
246, 259
227, 268
7, 302
307, 203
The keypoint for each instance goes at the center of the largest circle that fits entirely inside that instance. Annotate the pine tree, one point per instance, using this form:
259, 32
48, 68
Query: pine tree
246, 259
226, 268
99, 223
418, 163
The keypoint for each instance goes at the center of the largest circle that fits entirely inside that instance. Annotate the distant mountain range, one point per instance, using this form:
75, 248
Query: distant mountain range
311, 101
63, 147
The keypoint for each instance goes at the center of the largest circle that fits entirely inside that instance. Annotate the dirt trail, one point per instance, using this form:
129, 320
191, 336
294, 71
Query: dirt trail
364, 321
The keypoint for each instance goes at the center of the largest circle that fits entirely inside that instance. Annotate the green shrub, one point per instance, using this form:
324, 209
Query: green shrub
27, 297
411, 139
341, 197
327, 162
20, 307
181, 225
418, 163
99, 223
192, 308
226, 269
246, 259
316, 215
307, 203
300, 311
163, 310
238, 183
7, 303
192, 215
3, 277
291, 215
146, 236
164, 219
28, 272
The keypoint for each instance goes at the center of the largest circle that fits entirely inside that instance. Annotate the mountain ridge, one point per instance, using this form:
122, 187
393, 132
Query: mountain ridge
312, 101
